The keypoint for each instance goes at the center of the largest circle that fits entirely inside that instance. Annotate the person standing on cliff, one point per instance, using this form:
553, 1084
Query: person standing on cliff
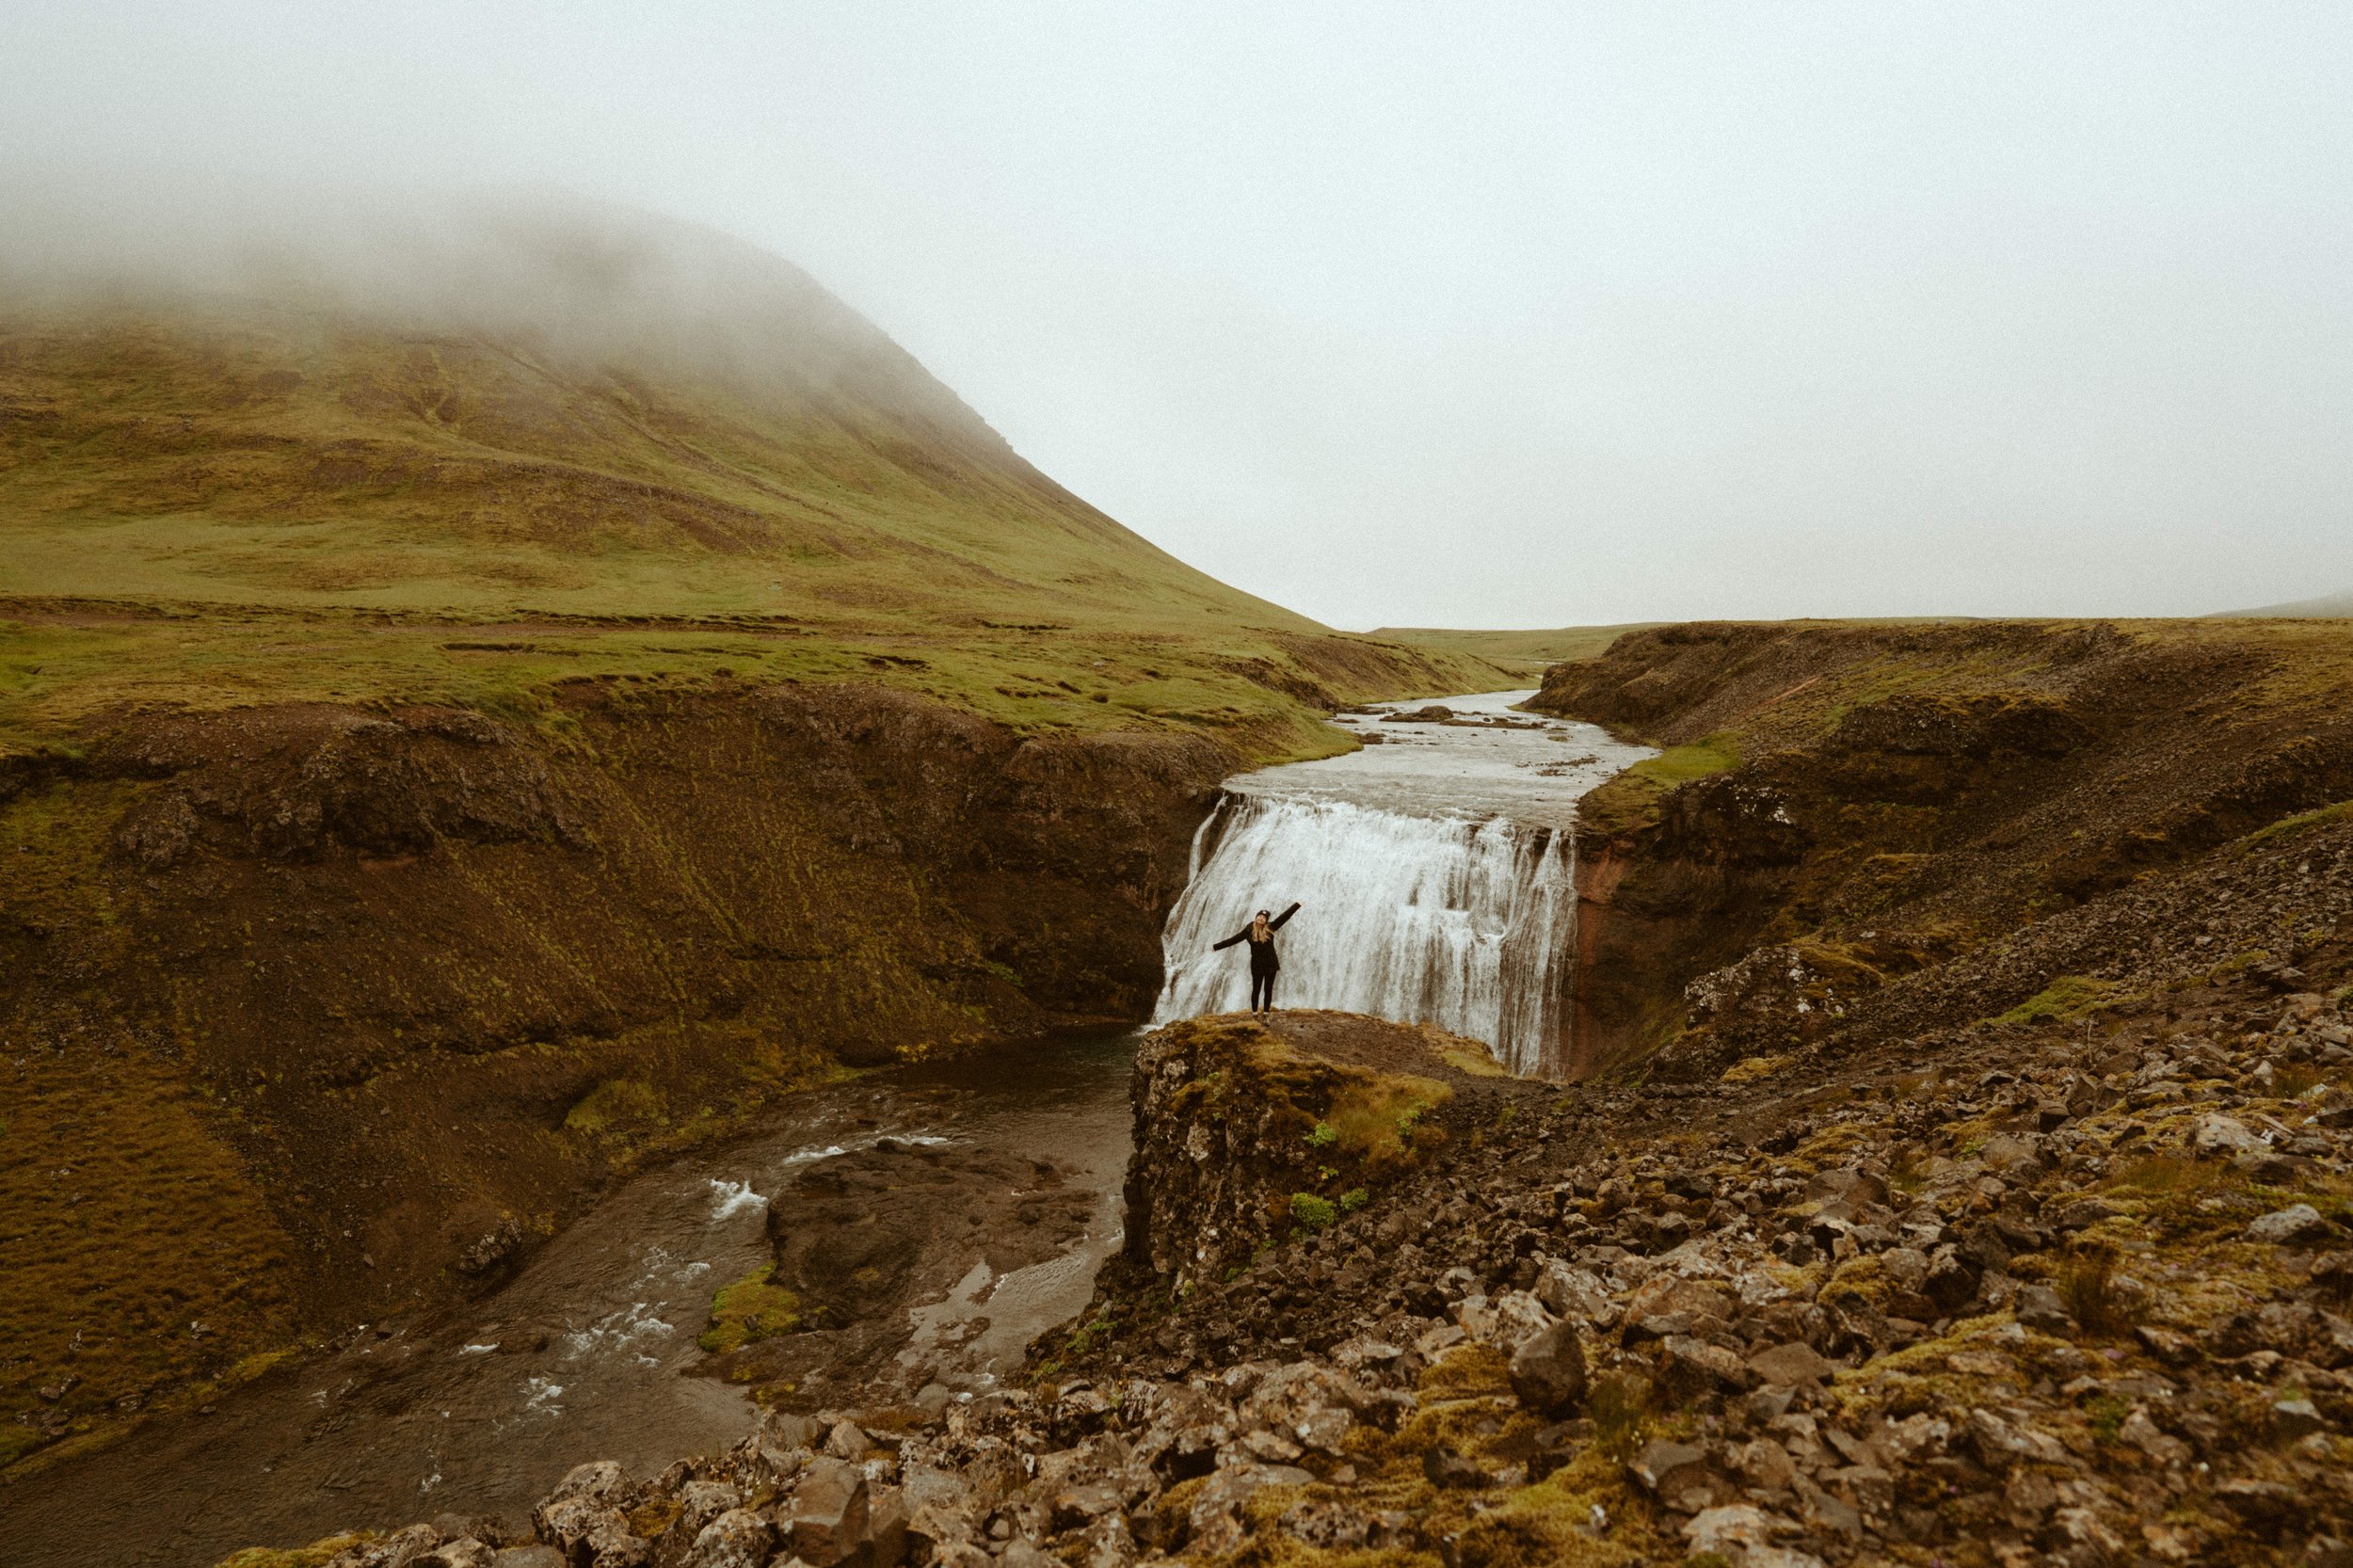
1260, 933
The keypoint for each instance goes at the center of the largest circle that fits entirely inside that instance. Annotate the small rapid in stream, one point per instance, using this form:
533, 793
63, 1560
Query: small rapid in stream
1435, 871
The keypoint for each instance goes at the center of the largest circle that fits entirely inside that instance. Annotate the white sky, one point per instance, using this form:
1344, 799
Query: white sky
1462, 314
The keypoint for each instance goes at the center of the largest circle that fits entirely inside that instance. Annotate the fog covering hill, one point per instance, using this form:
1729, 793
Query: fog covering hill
556, 407
2330, 604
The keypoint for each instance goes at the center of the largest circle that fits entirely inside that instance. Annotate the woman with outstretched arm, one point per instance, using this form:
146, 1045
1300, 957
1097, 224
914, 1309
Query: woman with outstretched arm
1260, 933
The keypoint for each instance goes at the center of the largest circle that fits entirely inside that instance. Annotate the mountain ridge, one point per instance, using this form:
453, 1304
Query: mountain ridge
2326, 605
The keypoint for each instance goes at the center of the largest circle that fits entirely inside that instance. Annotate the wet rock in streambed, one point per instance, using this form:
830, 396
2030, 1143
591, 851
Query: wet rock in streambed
859, 1239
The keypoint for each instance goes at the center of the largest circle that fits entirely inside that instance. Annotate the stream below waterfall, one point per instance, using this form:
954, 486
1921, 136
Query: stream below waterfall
1433, 869
586, 1352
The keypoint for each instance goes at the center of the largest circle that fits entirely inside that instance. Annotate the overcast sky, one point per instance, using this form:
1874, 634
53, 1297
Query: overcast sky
1460, 314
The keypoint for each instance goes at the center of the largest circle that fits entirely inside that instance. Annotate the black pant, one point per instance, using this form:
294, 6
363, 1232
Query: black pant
1261, 985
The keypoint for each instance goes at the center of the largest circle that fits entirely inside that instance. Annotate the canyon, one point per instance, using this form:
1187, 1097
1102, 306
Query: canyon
2028, 1244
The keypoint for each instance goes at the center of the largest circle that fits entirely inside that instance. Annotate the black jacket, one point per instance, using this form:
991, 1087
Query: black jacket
1262, 959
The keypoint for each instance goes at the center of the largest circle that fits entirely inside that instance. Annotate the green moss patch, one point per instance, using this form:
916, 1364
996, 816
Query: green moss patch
749, 1310
2340, 812
1717, 753
312, 1556
2064, 1000
615, 1105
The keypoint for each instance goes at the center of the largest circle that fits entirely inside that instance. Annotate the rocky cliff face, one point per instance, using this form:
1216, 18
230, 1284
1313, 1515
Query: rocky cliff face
1886, 798
386, 994
1246, 1132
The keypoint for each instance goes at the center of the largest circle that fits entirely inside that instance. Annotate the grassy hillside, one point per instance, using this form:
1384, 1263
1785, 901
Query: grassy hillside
313, 491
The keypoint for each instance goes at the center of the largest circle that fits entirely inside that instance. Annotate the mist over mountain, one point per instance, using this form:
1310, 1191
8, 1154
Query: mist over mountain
465, 401
2327, 604
574, 275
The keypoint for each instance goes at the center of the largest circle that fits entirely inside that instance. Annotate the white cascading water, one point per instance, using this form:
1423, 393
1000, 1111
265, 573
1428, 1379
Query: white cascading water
1436, 873
1468, 925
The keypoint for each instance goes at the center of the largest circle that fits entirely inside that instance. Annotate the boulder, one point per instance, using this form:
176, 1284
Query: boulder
2293, 1417
1951, 1281
2216, 1136
1906, 1268
826, 1520
1309, 1406
701, 1501
1795, 1365
1214, 1522
567, 1524
1765, 1464
2001, 1443
2169, 1345
1510, 1321
397, 1550
2268, 1505
599, 1478
1549, 1372
1575, 1294
614, 1545
1733, 1530
1659, 1459
736, 1539
1689, 1367
454, 1528
2296, 1225
1077, 1506
533, 1556
1343, 1526
2039, 1307
2010, 1154
2081, 1213
464, 1552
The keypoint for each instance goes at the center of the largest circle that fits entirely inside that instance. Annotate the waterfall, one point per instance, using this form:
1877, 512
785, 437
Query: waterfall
1467, 925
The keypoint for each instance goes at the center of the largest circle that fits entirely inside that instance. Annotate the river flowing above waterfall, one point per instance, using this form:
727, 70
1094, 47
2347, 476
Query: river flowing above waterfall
1436, 872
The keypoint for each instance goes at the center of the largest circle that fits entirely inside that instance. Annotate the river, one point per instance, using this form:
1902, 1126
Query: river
1432, 867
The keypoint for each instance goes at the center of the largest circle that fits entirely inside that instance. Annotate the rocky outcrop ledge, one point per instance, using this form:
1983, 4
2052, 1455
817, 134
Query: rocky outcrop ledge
1246, 1132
